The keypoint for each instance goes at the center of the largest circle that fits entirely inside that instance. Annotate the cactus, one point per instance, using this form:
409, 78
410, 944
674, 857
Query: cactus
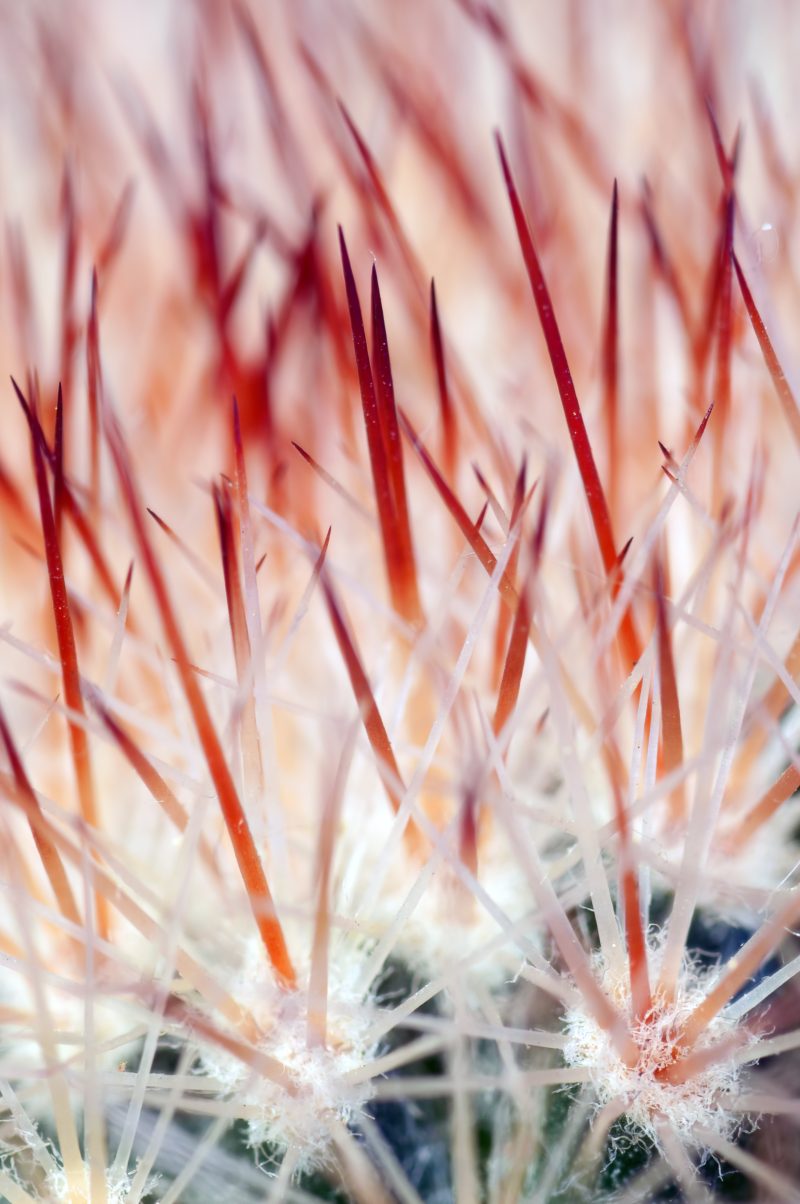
398, 707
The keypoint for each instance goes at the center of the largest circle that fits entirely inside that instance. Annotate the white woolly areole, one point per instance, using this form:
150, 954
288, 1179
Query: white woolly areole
648, 1100
62, 1192
300, 1119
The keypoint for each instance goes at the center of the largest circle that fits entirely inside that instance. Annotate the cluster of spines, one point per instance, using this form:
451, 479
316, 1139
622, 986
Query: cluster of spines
384, 422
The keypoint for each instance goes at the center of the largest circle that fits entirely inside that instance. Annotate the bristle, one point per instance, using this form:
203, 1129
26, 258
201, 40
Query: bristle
641, 997
402, 554
504, 614
469, 530
245, 627
317, 1023
726, 164
150, 776
446, 409
745, 827
69, 263
51, 861
671, 726
58, 469
65, 635
396, 544
253, 877
193, 559
114, 240
233, 583
742, 967
722, 381
278, 116
595, 496
384, 202
508, 671
94, 387
663, 262
21, 290
782, 388
541, 97
332, 483
779, 174
370, 715
611, 357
